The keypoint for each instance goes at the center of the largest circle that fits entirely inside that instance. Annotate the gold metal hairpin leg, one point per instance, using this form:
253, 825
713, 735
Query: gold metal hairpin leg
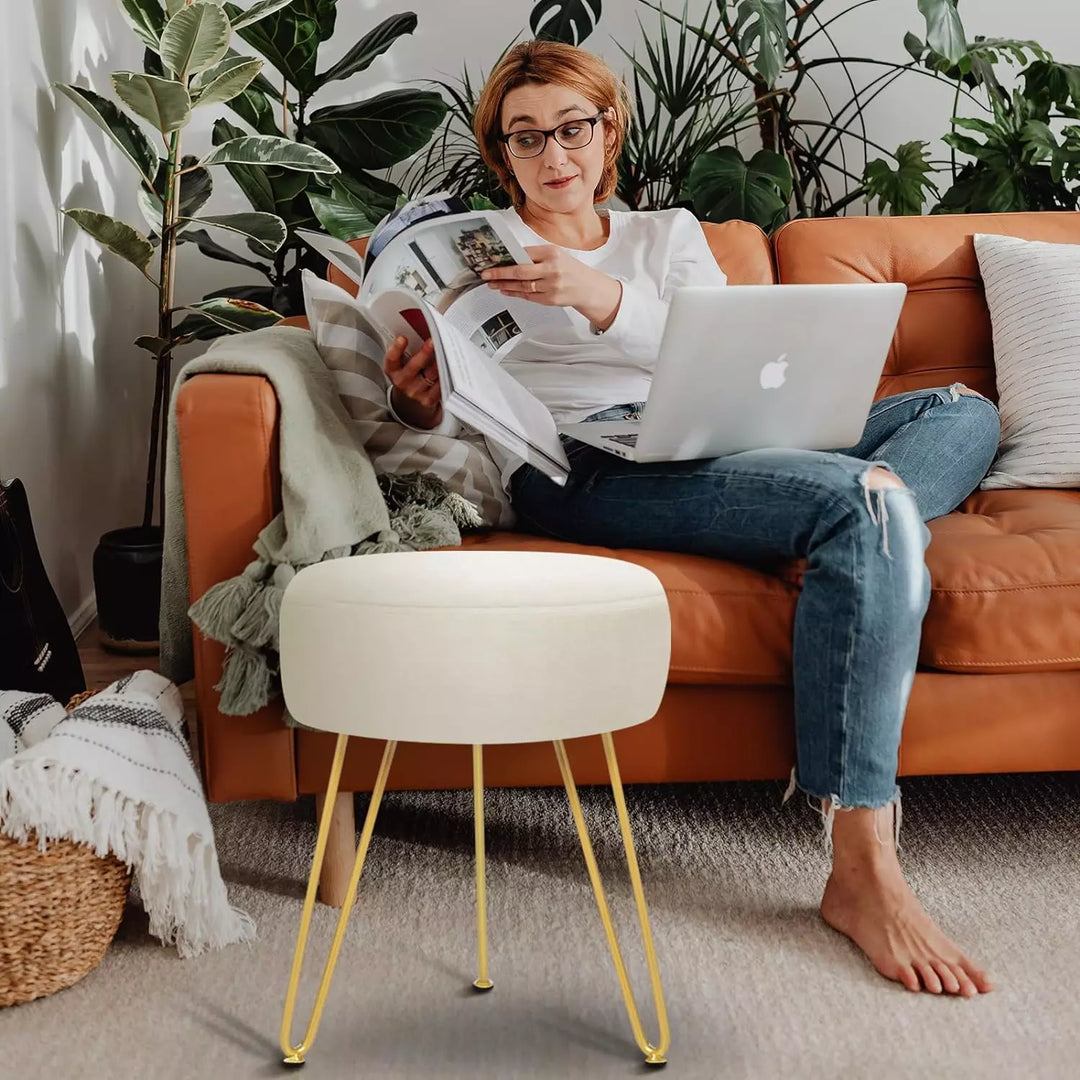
654, 1055
294, 1055
482, 982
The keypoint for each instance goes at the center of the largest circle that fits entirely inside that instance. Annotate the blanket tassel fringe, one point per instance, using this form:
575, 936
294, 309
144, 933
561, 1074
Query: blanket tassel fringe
182, 892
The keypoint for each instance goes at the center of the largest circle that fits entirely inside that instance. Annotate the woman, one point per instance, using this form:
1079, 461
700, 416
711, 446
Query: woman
550, 122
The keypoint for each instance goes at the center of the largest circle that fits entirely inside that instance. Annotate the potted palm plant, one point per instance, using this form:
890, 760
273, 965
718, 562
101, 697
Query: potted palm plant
190, 66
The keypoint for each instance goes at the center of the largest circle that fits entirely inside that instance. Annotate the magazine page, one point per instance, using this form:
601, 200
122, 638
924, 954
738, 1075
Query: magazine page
441, 262
342, 255
437, 204
437, 259
475, 388
494, 322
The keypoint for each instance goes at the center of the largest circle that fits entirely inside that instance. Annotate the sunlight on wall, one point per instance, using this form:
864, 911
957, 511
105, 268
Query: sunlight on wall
8, 291
87, 160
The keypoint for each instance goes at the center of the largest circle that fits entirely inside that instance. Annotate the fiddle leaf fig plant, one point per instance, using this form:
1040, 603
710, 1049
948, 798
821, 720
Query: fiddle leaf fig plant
194, 67
362, 136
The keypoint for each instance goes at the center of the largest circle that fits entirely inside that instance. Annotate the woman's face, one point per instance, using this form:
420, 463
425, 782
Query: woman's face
577, 171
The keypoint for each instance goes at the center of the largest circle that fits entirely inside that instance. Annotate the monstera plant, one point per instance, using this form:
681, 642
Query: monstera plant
197, 69
362, 137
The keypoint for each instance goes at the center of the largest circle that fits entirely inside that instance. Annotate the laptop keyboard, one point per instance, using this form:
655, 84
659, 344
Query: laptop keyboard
623, 440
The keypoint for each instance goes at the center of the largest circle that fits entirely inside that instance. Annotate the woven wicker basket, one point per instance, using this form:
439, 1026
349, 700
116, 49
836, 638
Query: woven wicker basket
59, 911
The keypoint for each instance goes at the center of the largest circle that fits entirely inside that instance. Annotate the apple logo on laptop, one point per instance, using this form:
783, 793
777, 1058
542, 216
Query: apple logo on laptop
772, 374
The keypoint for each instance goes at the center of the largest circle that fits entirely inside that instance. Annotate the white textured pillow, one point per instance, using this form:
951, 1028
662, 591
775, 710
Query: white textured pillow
1033, 293
462, 463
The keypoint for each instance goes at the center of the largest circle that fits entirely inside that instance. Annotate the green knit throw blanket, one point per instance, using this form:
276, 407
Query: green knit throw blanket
243, 612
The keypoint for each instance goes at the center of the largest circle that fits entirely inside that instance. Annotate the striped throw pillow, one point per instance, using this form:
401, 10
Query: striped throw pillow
1033, 293
344, 341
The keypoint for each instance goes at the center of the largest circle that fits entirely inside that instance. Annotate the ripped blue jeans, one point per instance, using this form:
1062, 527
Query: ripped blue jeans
866, 586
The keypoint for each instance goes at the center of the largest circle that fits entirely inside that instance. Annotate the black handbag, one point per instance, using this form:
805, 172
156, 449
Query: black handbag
37, 649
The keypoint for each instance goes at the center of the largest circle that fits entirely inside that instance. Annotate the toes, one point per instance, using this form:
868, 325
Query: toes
949, 982
928, 975
968, 988
905, 974
977, 976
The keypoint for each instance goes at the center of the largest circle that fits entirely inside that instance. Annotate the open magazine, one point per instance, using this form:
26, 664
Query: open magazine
423, 281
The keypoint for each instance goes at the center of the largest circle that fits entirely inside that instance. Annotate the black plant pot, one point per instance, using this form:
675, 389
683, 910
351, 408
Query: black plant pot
127, 582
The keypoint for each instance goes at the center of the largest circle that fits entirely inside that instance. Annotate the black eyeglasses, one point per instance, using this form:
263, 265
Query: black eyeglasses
572, 135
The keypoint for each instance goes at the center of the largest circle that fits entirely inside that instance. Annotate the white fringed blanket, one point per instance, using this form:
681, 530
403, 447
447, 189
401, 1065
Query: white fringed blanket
116, 774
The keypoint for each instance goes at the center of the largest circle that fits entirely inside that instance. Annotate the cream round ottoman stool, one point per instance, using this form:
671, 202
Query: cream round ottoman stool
518, 647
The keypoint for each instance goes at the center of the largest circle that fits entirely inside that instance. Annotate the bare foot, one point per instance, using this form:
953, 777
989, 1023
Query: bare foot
868, 899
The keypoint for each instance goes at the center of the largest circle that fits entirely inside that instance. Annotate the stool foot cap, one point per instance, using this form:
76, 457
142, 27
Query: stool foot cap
656, 1060
293, 1061
482, 985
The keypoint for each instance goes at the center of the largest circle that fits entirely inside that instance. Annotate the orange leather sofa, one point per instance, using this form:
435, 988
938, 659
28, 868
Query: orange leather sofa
998, 685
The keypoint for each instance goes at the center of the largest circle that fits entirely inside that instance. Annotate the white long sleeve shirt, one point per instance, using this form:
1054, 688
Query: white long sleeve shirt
576, 371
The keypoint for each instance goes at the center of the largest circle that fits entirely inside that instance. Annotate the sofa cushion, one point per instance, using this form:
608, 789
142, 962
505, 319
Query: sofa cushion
1032, 289
1005, 573
729, 623
944, 330
1005, 569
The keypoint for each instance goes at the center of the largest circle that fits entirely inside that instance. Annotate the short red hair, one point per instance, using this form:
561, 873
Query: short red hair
551, 62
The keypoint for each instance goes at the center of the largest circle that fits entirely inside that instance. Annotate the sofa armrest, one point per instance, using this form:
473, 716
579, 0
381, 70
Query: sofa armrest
228, 442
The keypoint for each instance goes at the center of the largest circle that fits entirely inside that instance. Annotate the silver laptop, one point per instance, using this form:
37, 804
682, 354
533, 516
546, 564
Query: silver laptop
751, 366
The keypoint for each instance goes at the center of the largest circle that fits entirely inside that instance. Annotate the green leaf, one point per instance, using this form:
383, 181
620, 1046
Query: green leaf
256, 103
197, 328
480, 202
379, 131
973, 123
146, 19
371, 45
569, 21
271, 150
348, 211
118, 236
914, 46
119, 127
761, 26
1053, 85
268, 229
251, 179
213, 250
195, 38
154, 345
258, 11
261, 294
902, 190
224, 81
257, 111
1039, 141
164, 102
944, 30
196, 187
723, 186
290, 38
151, 208
237, 316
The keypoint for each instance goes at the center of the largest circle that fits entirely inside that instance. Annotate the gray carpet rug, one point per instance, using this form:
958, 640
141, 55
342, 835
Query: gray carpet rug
756, 984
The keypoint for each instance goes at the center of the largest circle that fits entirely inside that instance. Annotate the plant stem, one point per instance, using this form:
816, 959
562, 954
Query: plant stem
301, 108
169, 222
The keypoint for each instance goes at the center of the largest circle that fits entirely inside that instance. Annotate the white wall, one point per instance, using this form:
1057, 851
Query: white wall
75, 394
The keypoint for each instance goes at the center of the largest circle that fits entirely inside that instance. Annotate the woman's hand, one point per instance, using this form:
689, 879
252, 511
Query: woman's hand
556, 278
416, 396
